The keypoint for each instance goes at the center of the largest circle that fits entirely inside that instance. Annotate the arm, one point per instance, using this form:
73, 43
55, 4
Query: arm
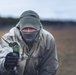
49, 62
5, 49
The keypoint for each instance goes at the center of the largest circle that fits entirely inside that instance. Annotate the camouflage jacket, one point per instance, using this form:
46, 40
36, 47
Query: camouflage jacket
43, 60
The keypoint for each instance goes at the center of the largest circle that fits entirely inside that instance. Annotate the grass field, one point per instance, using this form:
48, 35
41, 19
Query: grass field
66, 46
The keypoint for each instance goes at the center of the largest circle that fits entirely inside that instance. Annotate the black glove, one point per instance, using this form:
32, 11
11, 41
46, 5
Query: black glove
11, 60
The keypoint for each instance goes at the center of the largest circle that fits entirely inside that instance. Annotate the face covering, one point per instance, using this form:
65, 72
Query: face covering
29, 37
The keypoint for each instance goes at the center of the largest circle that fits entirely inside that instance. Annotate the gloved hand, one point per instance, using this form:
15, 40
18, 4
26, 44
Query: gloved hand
11, 61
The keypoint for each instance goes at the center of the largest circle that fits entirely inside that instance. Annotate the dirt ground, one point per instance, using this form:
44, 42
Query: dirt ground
66, 46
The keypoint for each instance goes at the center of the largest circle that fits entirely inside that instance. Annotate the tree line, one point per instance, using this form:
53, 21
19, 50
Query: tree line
56, 23
8, 21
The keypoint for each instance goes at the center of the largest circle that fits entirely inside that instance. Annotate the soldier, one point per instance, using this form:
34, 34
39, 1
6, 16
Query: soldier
37, 53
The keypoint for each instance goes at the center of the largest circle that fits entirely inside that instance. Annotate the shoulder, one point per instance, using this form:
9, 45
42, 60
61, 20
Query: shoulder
48, 39
47, 35
11, 33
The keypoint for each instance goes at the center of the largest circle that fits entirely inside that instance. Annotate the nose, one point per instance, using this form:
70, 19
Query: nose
28, 30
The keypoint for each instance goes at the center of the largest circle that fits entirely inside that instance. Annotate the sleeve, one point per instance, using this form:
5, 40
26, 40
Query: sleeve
49, 62
4, 50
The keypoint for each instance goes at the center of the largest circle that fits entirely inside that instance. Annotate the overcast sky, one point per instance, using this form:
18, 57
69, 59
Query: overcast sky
50, 9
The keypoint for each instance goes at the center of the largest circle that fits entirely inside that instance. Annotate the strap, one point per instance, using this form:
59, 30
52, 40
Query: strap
27, 62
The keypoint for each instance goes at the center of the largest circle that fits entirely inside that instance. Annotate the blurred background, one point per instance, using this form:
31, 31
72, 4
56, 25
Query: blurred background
57, 16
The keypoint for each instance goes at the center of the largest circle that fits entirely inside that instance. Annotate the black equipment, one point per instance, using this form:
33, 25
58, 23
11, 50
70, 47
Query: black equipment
15, 48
